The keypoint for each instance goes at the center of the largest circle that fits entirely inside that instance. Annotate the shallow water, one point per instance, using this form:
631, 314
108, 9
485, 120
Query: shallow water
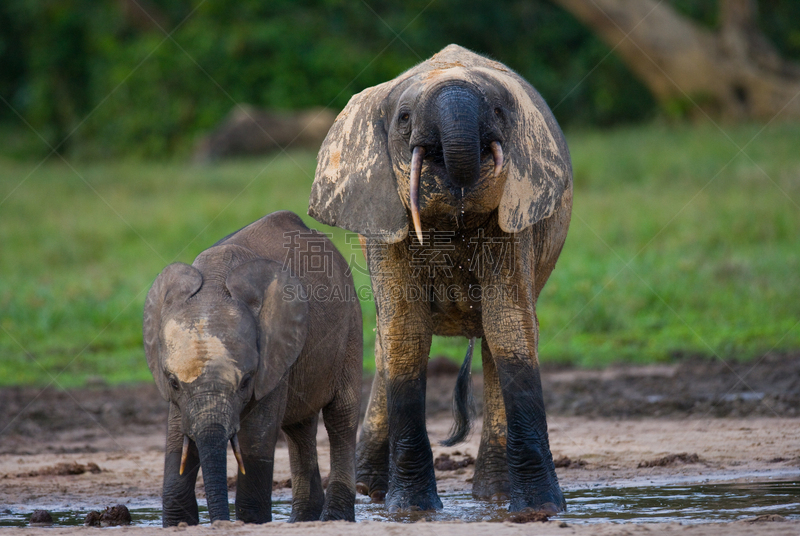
703, 503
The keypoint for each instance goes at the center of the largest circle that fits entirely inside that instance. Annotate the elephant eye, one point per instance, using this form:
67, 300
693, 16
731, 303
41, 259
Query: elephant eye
404, 117
245, 383
173, 383
498, 112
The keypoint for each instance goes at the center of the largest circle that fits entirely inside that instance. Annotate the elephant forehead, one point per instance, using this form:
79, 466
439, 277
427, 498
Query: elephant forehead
447, 73
191, 348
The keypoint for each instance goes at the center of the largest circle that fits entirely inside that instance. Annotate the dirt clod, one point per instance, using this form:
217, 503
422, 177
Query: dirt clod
112, 516
671, 459
565, 462
63, 469
92, 519
764, 518
445, 463
282, 484
41, 518
529, 516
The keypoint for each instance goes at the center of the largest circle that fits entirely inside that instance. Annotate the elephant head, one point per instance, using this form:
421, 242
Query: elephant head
457, 133
217, 335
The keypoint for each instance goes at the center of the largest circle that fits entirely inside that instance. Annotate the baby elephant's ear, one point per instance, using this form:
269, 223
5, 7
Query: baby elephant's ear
174, 285
277, 300
354, 186
539, 167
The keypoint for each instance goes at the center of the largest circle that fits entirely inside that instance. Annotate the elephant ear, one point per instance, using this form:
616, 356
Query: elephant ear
175, 284
539, 170
354, 185
277, 301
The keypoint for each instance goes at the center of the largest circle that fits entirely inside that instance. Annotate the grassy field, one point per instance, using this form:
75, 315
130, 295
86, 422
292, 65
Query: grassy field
683, 240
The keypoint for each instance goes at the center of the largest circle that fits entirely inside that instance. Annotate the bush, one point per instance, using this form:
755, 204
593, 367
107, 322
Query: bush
112, 79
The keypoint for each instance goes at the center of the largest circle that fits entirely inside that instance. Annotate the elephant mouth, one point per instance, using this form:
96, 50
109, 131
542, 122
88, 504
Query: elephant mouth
418, 155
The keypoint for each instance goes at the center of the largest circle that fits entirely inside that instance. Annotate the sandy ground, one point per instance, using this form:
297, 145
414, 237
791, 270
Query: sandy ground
121, 431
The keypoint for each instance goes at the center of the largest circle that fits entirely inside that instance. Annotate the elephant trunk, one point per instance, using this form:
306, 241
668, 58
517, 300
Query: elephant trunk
459, 122
212, 443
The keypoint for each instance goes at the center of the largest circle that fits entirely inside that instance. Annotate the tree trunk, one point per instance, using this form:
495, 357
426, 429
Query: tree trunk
733, 73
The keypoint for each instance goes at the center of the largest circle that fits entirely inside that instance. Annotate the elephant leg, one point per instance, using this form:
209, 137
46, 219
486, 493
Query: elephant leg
372, 451
491, 469
405, 327
307, 494
179, 503
341, 422
412, 482
258, 434
532, 475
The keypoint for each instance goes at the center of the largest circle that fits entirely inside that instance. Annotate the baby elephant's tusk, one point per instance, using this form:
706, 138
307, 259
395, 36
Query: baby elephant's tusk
497, 153
237, 453
184, 454
416, 170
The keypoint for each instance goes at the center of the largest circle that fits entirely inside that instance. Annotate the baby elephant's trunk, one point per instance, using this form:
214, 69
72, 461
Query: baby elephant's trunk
212, 443
211, 421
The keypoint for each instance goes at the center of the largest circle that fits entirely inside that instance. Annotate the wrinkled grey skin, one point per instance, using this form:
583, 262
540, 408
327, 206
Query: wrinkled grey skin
494, 226
241, 345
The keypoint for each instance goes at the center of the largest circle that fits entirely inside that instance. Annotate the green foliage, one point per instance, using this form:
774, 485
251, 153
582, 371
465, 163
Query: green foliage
109, 82
104, 79
678, 244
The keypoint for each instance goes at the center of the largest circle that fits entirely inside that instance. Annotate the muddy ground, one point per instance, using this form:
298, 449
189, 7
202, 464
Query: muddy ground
692, 420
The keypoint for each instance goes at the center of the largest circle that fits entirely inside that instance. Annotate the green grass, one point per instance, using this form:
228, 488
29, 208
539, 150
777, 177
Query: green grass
679, 243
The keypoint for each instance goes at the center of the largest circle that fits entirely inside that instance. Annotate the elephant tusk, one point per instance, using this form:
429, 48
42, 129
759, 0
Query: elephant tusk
497, 153
237, 453
416, 170
184, 454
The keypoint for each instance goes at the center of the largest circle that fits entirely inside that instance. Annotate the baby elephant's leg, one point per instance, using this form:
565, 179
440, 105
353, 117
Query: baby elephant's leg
341, 421
257, 437
307, 494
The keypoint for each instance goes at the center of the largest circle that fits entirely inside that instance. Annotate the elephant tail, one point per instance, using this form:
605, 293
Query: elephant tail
463, 402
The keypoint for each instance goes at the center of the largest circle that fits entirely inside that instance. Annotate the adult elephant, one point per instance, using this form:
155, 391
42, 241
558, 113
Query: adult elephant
468, 152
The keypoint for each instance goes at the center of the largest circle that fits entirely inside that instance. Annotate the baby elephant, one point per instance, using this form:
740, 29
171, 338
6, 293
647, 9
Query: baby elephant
261, 332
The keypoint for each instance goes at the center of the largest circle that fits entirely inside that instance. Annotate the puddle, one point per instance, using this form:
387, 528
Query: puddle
701, 503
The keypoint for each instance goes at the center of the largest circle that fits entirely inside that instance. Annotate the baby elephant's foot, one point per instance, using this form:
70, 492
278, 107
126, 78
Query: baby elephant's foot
340, 503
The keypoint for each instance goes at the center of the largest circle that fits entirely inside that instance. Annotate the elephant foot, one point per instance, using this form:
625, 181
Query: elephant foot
405, 499
340, 503
308, 509
377, 495
371, 484
372, 478
492, 486
549, 500
491, 482
304, 514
